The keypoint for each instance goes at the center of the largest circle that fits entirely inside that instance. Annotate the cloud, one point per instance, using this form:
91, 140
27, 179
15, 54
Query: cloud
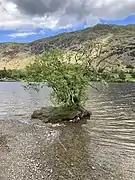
21, 34
56, 14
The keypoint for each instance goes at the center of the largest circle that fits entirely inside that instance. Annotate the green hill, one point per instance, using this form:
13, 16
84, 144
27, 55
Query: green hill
17, 55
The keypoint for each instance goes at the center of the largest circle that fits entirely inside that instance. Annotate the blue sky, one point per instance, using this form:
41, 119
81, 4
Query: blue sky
50, 32
25, 21
125, 21
39, 33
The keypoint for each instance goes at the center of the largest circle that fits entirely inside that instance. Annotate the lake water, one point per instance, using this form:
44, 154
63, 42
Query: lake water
101, 149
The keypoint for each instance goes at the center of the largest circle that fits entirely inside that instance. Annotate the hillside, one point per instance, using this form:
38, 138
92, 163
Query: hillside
17, 55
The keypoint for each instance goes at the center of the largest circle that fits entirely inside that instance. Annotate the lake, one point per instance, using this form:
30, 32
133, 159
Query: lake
103, 148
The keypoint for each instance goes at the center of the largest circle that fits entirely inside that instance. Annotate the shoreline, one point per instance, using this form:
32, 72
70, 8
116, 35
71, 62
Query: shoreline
133, 81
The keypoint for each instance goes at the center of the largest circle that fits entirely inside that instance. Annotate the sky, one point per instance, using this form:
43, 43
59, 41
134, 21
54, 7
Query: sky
28, 20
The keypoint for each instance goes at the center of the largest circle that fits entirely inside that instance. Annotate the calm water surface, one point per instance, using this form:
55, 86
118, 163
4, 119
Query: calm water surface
101, 149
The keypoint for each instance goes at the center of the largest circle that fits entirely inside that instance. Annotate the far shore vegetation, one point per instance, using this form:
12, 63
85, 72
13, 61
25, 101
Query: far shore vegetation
128, 75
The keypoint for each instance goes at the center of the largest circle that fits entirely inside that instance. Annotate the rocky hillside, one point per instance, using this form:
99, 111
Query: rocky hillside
17, 55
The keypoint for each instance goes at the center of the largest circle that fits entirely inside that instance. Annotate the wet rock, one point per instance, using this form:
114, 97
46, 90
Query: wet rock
58, 114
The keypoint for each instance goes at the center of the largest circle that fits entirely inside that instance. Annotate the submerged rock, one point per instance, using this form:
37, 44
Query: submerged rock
58, 114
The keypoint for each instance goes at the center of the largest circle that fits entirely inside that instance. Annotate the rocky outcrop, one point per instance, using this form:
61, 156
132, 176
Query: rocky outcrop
57, 114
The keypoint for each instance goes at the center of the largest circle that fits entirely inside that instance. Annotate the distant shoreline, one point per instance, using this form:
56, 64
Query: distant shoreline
126, 81
8, 80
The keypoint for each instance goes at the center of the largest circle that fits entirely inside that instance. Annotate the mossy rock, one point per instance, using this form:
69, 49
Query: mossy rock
59, 114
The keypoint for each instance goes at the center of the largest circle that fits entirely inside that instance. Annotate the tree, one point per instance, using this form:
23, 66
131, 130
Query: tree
69, 74
66, 79
3, 73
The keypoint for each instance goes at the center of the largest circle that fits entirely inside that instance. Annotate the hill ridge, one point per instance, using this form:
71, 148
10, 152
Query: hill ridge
17, 55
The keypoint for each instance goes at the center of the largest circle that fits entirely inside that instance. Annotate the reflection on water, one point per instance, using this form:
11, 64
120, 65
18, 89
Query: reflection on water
17, 103
101, 149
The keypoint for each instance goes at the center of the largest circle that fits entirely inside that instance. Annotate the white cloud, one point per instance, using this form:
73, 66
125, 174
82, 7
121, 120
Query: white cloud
21, 34
53, 14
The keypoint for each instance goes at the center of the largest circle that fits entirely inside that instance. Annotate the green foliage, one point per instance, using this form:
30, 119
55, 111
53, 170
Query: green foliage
122, 75
12, 74
3, 73
133, 74
67, 80
107, 76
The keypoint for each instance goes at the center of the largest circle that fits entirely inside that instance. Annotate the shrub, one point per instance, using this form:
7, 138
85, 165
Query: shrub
133, 74
13, 74
122, 75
